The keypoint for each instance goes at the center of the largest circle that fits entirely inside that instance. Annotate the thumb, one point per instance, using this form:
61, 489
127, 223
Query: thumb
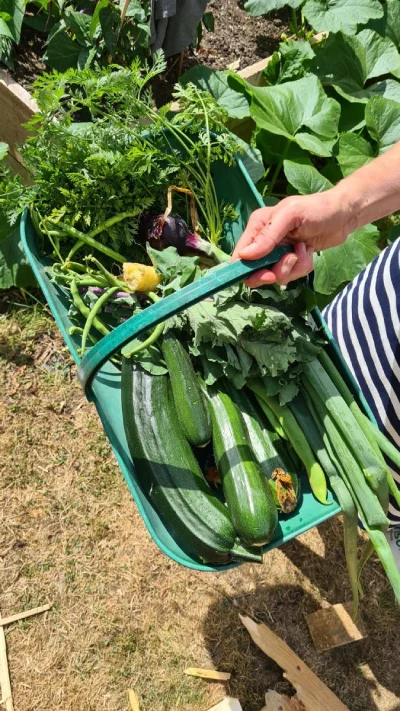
279, 226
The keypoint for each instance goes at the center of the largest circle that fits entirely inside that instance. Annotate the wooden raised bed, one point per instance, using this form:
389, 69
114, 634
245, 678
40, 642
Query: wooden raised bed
17, 107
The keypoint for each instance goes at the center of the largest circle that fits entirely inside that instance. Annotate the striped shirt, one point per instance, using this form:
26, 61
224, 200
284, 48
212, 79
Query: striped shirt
365, 321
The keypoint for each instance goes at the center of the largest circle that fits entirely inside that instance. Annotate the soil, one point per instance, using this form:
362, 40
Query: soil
238, 40
124, 615
27, 57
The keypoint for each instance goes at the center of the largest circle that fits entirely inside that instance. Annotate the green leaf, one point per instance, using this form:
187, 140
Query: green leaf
389, 24
348, 63
5, 29
3, 150
314, 144
339, 265
382, 117
291, 62
273, 358
79, 24
86, 57
11, 17
62, 52
296, 59
262, 7
252, 160
14, 267
110, 22
6, 48
272, 146
354, 152
305, 178
216, 83
282, 110
208, 21
340, 15
95, 21
352, 115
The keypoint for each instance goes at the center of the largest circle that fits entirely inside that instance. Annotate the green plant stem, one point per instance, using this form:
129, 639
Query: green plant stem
111, 279
113, 221
278, 168
81, 236
74, 249
93, 314
85, 311
155, 334
77, 331
74, 266
294, 19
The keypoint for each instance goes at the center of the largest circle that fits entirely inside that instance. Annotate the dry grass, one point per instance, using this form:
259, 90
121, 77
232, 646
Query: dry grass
124, 614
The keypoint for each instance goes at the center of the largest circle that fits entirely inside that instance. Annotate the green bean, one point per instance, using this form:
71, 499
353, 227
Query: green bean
85, 310
93, 314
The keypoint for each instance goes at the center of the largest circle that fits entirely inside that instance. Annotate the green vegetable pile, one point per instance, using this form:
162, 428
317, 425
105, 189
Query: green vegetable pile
236, 393
325, 107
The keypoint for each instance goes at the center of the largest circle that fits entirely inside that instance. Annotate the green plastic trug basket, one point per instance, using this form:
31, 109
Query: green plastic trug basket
102, 381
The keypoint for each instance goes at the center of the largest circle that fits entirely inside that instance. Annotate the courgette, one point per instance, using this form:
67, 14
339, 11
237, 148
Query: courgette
283, 481
167, 467
191, 406
246, 490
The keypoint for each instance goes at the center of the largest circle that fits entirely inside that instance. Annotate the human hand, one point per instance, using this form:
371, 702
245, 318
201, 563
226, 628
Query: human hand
308, 222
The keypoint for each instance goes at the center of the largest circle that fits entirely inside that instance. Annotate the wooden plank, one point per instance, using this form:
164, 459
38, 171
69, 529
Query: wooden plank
17, 107
133, 700
333, 627
208, 674
23, 615
314, 694
253, 73
5, 683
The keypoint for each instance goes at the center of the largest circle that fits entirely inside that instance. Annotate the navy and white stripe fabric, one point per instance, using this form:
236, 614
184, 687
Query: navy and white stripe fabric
365, 321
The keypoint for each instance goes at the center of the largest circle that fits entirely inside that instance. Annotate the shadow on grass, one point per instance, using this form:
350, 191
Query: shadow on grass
284, 608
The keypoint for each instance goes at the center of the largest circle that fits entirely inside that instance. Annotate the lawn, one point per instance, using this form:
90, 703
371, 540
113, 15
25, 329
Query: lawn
123, 614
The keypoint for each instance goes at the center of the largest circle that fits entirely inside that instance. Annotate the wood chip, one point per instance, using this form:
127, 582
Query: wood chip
23, 615
227, 704
208, 674
133, 700
310, 689
5, 683
333, 627
280, 702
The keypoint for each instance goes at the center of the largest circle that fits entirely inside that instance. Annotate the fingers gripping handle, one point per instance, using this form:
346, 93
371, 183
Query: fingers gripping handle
165, 308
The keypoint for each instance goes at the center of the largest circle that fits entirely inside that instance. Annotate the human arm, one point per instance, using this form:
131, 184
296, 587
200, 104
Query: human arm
321, 220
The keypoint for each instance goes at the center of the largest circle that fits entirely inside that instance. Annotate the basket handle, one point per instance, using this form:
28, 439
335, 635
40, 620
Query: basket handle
165, 308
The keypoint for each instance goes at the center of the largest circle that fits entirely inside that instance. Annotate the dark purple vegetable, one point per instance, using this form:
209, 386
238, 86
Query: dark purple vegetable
173, 231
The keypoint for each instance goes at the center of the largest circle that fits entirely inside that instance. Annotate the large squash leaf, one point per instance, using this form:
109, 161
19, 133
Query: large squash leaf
14, 266
305, 178
354, 152
262, 7
62, 52
283, 110
389, 24
382, 117
341, 15
339, 265
11, 16
216, 83
348, 63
